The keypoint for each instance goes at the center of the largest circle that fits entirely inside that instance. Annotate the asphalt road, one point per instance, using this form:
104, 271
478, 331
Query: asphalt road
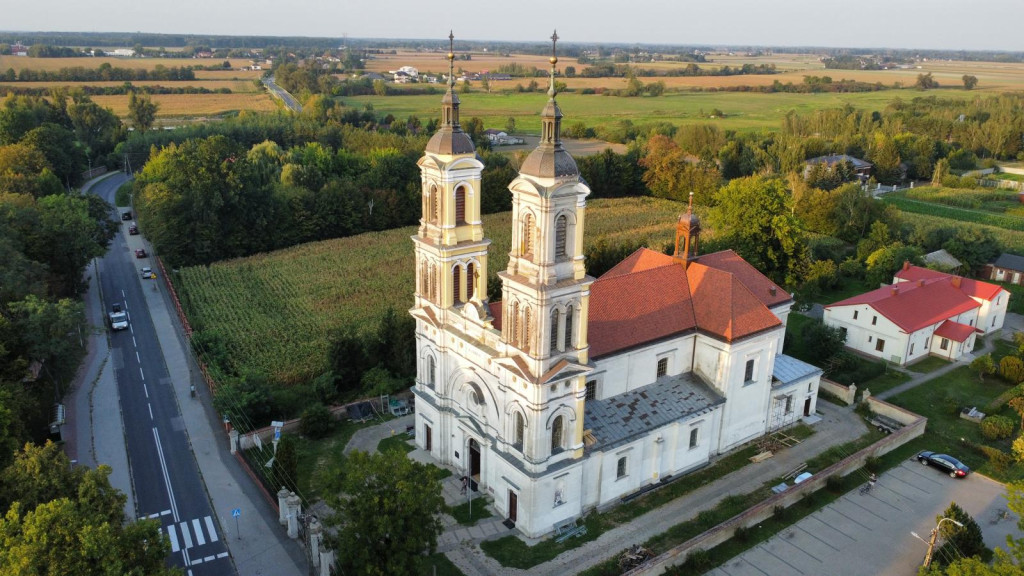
283, 94
870, 534
165, 477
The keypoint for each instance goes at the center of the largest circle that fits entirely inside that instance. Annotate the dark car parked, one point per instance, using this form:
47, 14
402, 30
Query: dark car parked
944, 462
133, 229
126, 215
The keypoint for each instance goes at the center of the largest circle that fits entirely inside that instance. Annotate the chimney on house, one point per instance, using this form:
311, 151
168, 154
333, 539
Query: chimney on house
906, 265
895, 289
920, 282
956, 282
772, 290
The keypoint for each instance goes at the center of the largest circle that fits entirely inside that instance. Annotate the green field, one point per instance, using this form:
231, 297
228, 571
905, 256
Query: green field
744, 111
273, 312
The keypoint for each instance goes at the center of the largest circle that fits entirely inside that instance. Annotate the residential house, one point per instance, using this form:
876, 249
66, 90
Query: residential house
861, 168
923, 313
1006, 268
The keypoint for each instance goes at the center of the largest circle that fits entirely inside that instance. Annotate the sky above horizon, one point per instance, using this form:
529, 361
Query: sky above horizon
924, 24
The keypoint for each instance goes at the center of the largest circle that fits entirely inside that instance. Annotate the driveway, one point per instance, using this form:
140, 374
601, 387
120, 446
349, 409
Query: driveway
870, 534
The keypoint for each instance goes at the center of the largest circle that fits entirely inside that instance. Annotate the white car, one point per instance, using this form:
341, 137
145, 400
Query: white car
147, 272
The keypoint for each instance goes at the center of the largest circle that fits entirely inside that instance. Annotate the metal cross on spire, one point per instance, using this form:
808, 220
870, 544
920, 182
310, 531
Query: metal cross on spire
553, 60
451, 59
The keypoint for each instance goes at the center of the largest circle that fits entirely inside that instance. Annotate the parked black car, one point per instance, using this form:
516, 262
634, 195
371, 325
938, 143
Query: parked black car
944, 462
126, 215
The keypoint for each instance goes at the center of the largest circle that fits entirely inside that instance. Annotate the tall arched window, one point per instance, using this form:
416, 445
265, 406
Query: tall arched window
424, 280
561, 227
470, 280
554, 332
431, 371
520, 431
526, 329
460, 205
513, 328
457, 284
526, 241
568, 329
556, 434
432, 205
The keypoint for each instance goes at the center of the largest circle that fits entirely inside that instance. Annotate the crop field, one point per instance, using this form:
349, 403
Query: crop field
744, 111
53, 64
239, 86
192, 105
274, 311
989, 206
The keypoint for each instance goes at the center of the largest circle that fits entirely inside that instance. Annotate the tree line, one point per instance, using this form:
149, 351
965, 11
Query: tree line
103, 73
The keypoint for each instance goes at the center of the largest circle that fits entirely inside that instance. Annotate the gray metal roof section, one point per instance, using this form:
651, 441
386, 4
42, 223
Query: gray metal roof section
943, 259
1010, 262
788, 370
836, 158
620, 419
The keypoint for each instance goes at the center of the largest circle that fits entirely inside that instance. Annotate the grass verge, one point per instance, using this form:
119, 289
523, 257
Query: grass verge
469, 514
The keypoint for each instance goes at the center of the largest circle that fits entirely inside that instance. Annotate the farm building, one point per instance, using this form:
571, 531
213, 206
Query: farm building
1006, 268
573, 392
922, 313
861, 168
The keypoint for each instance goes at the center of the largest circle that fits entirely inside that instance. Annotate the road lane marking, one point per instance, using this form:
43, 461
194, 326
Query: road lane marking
198, 531
134, 343
143, 376
145, 389
210, 529
222, 555
209, 558
137, 359
123, 295
167, 484
174, 538
197, 561
150, 406
165, 513
185, 535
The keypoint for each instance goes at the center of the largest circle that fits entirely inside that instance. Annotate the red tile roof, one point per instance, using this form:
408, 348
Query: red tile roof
650, 296
955, 331
913, 306
973, 288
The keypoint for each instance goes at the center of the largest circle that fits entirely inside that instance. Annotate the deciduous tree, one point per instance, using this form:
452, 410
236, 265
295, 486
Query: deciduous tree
141, 111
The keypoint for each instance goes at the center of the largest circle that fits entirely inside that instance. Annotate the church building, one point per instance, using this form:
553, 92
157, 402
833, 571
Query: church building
574, 392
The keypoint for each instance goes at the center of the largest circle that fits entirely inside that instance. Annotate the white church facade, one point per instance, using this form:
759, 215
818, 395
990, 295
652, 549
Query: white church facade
573, 392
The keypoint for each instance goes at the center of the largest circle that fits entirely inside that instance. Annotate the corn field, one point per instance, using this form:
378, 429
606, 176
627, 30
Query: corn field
274, 312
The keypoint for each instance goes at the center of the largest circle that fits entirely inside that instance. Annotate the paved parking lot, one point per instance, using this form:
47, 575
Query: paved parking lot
869, 534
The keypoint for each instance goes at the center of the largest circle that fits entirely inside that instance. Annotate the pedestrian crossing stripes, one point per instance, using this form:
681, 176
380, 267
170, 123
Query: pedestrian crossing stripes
190, 533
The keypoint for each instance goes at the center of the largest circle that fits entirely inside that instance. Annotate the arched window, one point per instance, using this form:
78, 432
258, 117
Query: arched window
424, 280
470, 281
526, 329
568, 329
432, 205
556, 435
520, 430
431, 371
554, 332
526, 241
460, 205
457, 284
513, 328
561, 227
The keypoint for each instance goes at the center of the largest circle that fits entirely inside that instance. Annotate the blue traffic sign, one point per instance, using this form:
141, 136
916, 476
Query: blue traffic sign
236, 512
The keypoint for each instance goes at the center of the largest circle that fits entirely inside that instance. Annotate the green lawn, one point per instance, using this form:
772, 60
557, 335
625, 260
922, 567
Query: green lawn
439, 565
940, 400
399, 442
469, 513
929, 364
848, 287
887, 380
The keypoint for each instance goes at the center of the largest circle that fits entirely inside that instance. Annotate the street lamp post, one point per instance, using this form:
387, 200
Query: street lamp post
932, 540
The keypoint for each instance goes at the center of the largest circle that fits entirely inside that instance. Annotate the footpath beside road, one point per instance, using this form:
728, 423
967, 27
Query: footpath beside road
95, 435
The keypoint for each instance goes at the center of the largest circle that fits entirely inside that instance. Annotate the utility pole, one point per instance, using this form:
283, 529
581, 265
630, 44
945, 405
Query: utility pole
934, 537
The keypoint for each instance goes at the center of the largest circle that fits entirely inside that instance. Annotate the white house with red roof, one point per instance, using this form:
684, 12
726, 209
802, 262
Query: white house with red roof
572, 392
923, 313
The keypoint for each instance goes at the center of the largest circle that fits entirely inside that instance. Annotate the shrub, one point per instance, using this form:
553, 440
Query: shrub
1011, 369
698, 560
852, 268
743, 533
316, 421
834, 484
997, 427
1001, 400
873, 464
1000, 460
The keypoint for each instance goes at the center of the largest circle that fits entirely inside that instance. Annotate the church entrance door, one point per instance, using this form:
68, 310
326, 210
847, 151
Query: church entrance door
474, 463
807, 407
428, 438
513, 505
